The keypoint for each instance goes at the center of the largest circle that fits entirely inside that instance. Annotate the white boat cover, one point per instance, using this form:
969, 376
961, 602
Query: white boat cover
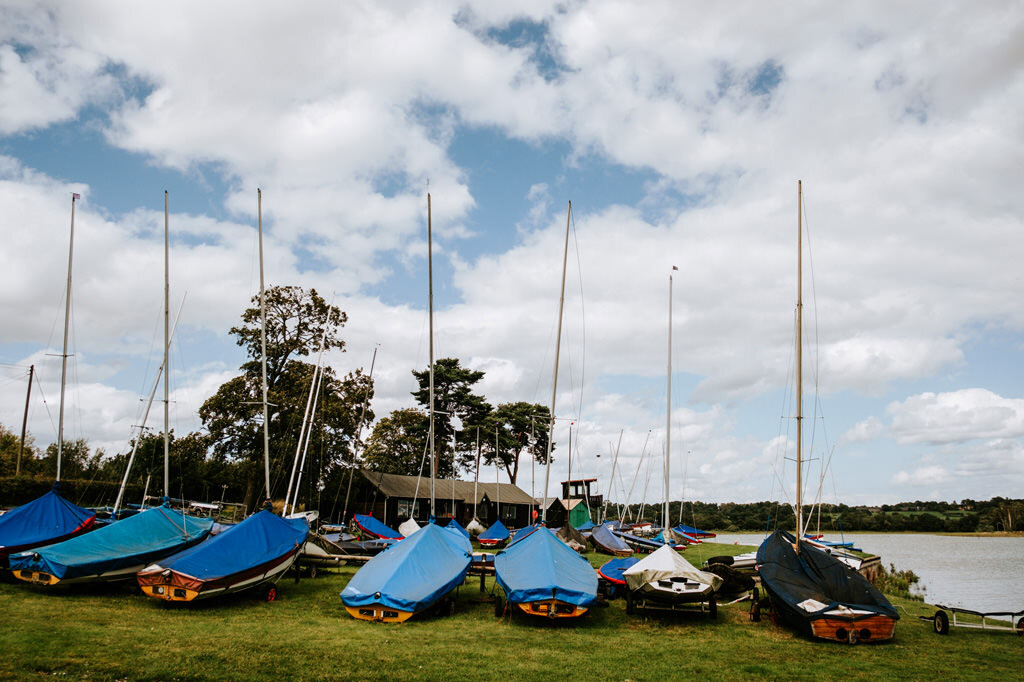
408, 527
666, 563
475, 527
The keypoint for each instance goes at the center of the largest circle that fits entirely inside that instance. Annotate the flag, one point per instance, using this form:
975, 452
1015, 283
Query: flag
75, 195
674, 267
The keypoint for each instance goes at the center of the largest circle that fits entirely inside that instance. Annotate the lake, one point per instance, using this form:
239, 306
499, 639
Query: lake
978, 573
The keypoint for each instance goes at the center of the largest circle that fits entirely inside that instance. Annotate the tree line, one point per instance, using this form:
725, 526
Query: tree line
224, 458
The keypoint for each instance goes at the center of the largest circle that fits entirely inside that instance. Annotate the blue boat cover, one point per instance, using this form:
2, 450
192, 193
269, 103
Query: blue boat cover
612, 570
455, 525
522, 533
586, 525
606, 539
412, 574
375, 528
540, 566
631, 539
259, 539
41, 521
694, 532
496, 533
135, 541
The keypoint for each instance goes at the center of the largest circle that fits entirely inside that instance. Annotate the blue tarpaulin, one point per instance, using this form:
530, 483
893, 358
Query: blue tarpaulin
612, 569
259, 539
540, 566
693, 532
495, 534
587, 525
372, 526
456, 526
42, 521
128, 544
413, 574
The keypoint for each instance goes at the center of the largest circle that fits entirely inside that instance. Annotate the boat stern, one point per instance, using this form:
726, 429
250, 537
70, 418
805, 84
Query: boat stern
552, 608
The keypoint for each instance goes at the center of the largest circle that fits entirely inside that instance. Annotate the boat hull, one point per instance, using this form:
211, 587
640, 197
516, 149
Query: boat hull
178, 587
552, 608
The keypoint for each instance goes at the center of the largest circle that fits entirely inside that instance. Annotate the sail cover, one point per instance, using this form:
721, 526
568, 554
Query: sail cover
693, 532
135, 541
814, 575
372, 526
412, 574
260, 539
495, 534
540, 566
663, 564
408, 527
585, 526
42, 521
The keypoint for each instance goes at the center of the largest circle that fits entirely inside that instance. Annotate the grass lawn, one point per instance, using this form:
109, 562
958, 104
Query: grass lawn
104, 633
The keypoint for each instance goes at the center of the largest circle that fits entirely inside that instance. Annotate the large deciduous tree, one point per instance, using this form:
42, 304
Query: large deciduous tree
514, 429
398, 443
298, 322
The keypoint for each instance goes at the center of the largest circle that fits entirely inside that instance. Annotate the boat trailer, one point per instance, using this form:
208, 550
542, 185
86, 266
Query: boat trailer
941, 621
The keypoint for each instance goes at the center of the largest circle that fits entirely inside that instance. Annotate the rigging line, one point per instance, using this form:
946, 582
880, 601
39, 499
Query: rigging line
583, 314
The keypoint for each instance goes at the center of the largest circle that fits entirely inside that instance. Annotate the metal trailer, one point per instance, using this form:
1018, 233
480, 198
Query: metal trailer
941, 620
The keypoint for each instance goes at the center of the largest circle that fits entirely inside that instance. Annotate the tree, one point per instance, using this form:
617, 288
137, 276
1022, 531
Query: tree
453, 397
520, 427
298, 321
398, 442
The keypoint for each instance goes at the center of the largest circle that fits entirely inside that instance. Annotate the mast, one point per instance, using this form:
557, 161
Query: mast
24, 421
668, 414
799, 360
554, 383
167, 333
476, 477
64, 353
359, 433
430, 304
263, 342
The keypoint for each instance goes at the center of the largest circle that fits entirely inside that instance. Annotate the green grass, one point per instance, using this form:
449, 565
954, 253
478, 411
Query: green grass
117, 633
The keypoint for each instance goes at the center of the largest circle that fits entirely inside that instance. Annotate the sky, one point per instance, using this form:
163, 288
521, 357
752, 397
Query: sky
678, 132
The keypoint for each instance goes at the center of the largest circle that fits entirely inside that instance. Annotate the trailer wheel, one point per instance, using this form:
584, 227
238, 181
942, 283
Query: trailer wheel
450, 607
755, 611
713, 607
1020, 627
630, 608
271, 593
499, 607
941, 622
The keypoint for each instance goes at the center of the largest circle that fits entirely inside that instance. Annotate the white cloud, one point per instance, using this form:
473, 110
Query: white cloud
956, 417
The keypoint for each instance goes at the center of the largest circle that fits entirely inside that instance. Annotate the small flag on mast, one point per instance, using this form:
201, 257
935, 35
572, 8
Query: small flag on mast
75, 195
674, 267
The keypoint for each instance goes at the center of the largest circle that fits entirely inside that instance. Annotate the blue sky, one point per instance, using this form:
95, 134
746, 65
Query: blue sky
678, 133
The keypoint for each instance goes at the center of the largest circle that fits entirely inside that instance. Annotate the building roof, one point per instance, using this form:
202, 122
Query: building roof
394, 485
580, 480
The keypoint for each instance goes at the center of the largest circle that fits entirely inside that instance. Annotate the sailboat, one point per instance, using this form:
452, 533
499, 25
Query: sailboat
496, 534
418, 572
51, 518
810, 590
257, 551
539, 573
664, 580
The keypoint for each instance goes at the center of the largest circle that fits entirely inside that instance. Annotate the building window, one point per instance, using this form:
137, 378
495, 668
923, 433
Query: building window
405, 509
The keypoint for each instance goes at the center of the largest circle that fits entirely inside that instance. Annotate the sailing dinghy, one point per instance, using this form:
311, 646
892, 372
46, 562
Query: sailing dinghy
607, 542
410, 576
46, 520
543, 576
114, 552
374, 528
664, 580
495, 536
257, 551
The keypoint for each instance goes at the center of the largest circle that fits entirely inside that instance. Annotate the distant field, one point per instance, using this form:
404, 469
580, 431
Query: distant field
117, 633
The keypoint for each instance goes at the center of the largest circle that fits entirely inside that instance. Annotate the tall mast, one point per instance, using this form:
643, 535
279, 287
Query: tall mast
430, 304
263, 342
24, 420
668, 414
64, 353
554, 383
799, 360
167, 333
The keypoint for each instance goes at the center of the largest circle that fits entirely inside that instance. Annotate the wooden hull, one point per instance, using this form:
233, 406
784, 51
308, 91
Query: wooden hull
47, 580
552, 608
378, 613
173, 586
869, 629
